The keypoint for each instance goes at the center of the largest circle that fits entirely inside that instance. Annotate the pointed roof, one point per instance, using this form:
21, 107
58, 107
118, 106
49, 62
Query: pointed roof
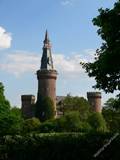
46, 35
46, 41
46, 61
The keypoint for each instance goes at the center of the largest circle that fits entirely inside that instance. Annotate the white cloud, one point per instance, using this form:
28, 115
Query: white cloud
88, 55
21, 62
5, 39
68, 2
67, 66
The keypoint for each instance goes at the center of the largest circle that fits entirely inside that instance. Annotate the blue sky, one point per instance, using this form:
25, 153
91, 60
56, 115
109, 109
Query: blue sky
72, 34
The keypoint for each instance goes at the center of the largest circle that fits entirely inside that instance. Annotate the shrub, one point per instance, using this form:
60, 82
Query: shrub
71, 122
112, 118
45, 109
10, 118
97, 122
73, 146
75, 104
49, 126
30, 125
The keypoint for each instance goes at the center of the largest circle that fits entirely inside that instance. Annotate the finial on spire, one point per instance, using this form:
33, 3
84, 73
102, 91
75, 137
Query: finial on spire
46, 37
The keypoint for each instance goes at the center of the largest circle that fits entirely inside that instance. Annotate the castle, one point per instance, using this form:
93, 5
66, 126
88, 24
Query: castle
46, 77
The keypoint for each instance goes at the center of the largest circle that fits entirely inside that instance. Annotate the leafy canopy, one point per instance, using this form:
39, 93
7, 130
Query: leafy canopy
4, 103
113, 103
30, 125
106, 67
112, 118
10, 118
76, 104
97, 121
45, 109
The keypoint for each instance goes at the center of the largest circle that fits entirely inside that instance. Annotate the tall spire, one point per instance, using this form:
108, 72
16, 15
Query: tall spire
46, 37
46, 61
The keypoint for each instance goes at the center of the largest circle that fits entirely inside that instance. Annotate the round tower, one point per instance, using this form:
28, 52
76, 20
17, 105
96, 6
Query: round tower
47, 75
94, 98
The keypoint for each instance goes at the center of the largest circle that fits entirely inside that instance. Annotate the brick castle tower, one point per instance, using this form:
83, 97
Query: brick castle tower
47, 75
94, 98
28, 107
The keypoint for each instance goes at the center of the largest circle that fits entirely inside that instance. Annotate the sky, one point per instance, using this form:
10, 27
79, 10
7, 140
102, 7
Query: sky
73, 37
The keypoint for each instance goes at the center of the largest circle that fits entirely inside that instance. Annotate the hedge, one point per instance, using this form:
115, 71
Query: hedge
58, 146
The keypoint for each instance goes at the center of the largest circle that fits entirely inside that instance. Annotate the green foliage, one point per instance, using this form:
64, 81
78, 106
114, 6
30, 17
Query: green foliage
30, 125
4, 112
11, 122
109, 103
70, 122
112, 118
106, 67
49, 126
45, 109
98, 123
4, 104
60, 146
10, 118
16, 121
113, 103
76, 104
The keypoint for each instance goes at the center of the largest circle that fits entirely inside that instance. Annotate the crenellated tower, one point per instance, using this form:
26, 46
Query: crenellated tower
94, 98
28, 106
47, 75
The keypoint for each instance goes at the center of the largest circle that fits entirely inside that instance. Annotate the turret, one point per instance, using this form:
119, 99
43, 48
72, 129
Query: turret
28, 102
94, 98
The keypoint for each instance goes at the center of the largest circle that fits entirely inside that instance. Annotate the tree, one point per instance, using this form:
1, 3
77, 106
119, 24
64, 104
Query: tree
16, 120
97, 122
45, 109
49, 126
10, 118
76, 104
4, 103
112, 118
109, 103
30, 125
71, 122
113, 103
4, 112
106, 67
